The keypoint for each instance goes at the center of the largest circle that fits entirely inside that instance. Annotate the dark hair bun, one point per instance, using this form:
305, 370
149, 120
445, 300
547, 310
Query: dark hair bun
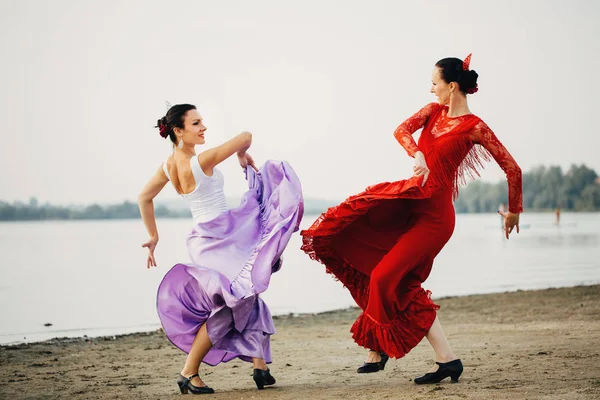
467, 81
451, 70
173, 119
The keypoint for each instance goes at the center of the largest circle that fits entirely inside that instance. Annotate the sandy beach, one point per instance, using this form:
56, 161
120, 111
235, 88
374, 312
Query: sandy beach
521, 345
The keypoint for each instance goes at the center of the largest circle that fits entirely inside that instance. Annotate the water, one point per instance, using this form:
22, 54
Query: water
89, 277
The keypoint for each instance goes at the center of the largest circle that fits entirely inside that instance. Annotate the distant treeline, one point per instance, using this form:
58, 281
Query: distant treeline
32, 211
19, 211
544, 188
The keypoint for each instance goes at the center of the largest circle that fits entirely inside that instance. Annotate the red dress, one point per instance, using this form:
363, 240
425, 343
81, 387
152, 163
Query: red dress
381, 243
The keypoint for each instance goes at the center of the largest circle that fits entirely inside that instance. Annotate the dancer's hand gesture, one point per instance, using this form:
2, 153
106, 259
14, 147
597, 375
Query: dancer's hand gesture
420, 168
151, 245
246, 160
510, 222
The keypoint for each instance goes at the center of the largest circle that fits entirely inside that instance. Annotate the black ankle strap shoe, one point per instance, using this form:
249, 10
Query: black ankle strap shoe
263, 378
185, 385
452, 369
367, 368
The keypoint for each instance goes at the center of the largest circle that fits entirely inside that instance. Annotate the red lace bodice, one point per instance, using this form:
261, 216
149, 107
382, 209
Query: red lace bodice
455, 148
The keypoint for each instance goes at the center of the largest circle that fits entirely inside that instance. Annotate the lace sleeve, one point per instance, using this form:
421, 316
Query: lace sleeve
404, 132
486, 138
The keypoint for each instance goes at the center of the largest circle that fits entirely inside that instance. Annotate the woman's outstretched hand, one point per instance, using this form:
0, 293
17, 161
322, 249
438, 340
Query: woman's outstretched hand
246, 160
511, 221
151, 245
420, 168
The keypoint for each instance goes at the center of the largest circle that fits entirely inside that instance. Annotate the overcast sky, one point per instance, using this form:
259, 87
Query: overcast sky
321, 84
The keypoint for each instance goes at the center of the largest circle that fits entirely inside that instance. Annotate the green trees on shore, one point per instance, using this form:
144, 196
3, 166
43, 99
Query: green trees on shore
544, 188
32, 211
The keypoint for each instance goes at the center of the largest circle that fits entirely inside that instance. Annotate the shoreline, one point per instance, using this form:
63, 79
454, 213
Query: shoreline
123, 331
84, 337
540, 344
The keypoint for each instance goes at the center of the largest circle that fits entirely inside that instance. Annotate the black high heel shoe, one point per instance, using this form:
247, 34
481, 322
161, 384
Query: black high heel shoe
263, 378
185, 385
374, 366
452, 369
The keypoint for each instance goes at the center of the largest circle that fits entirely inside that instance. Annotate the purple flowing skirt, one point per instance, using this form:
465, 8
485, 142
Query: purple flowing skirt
233, 257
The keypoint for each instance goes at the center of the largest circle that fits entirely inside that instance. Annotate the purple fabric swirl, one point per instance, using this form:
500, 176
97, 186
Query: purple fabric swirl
232, 259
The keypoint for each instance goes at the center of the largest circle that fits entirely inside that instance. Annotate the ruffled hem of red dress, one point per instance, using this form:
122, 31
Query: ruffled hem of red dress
404, 333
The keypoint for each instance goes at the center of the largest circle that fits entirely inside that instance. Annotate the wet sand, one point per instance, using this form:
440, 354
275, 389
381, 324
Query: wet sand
522, 345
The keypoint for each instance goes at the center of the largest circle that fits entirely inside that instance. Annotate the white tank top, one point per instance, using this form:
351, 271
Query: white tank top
207, 200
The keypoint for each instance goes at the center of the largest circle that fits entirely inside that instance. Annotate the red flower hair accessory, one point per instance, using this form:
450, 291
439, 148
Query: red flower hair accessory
163, 129
467, 62
473, 90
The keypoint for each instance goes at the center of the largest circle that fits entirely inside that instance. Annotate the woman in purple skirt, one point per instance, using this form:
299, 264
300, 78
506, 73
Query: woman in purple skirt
211, 308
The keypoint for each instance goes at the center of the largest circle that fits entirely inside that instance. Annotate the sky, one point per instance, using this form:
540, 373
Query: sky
321, 84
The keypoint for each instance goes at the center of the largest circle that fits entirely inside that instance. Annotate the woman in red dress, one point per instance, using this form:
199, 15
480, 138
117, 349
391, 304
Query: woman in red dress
382, 242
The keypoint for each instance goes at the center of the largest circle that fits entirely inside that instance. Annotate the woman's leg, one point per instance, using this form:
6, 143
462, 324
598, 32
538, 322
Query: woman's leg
440, 344
200, 347
259, 363
373, 357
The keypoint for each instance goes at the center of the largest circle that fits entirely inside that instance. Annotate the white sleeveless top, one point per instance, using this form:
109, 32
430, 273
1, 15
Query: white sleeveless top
207, 200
